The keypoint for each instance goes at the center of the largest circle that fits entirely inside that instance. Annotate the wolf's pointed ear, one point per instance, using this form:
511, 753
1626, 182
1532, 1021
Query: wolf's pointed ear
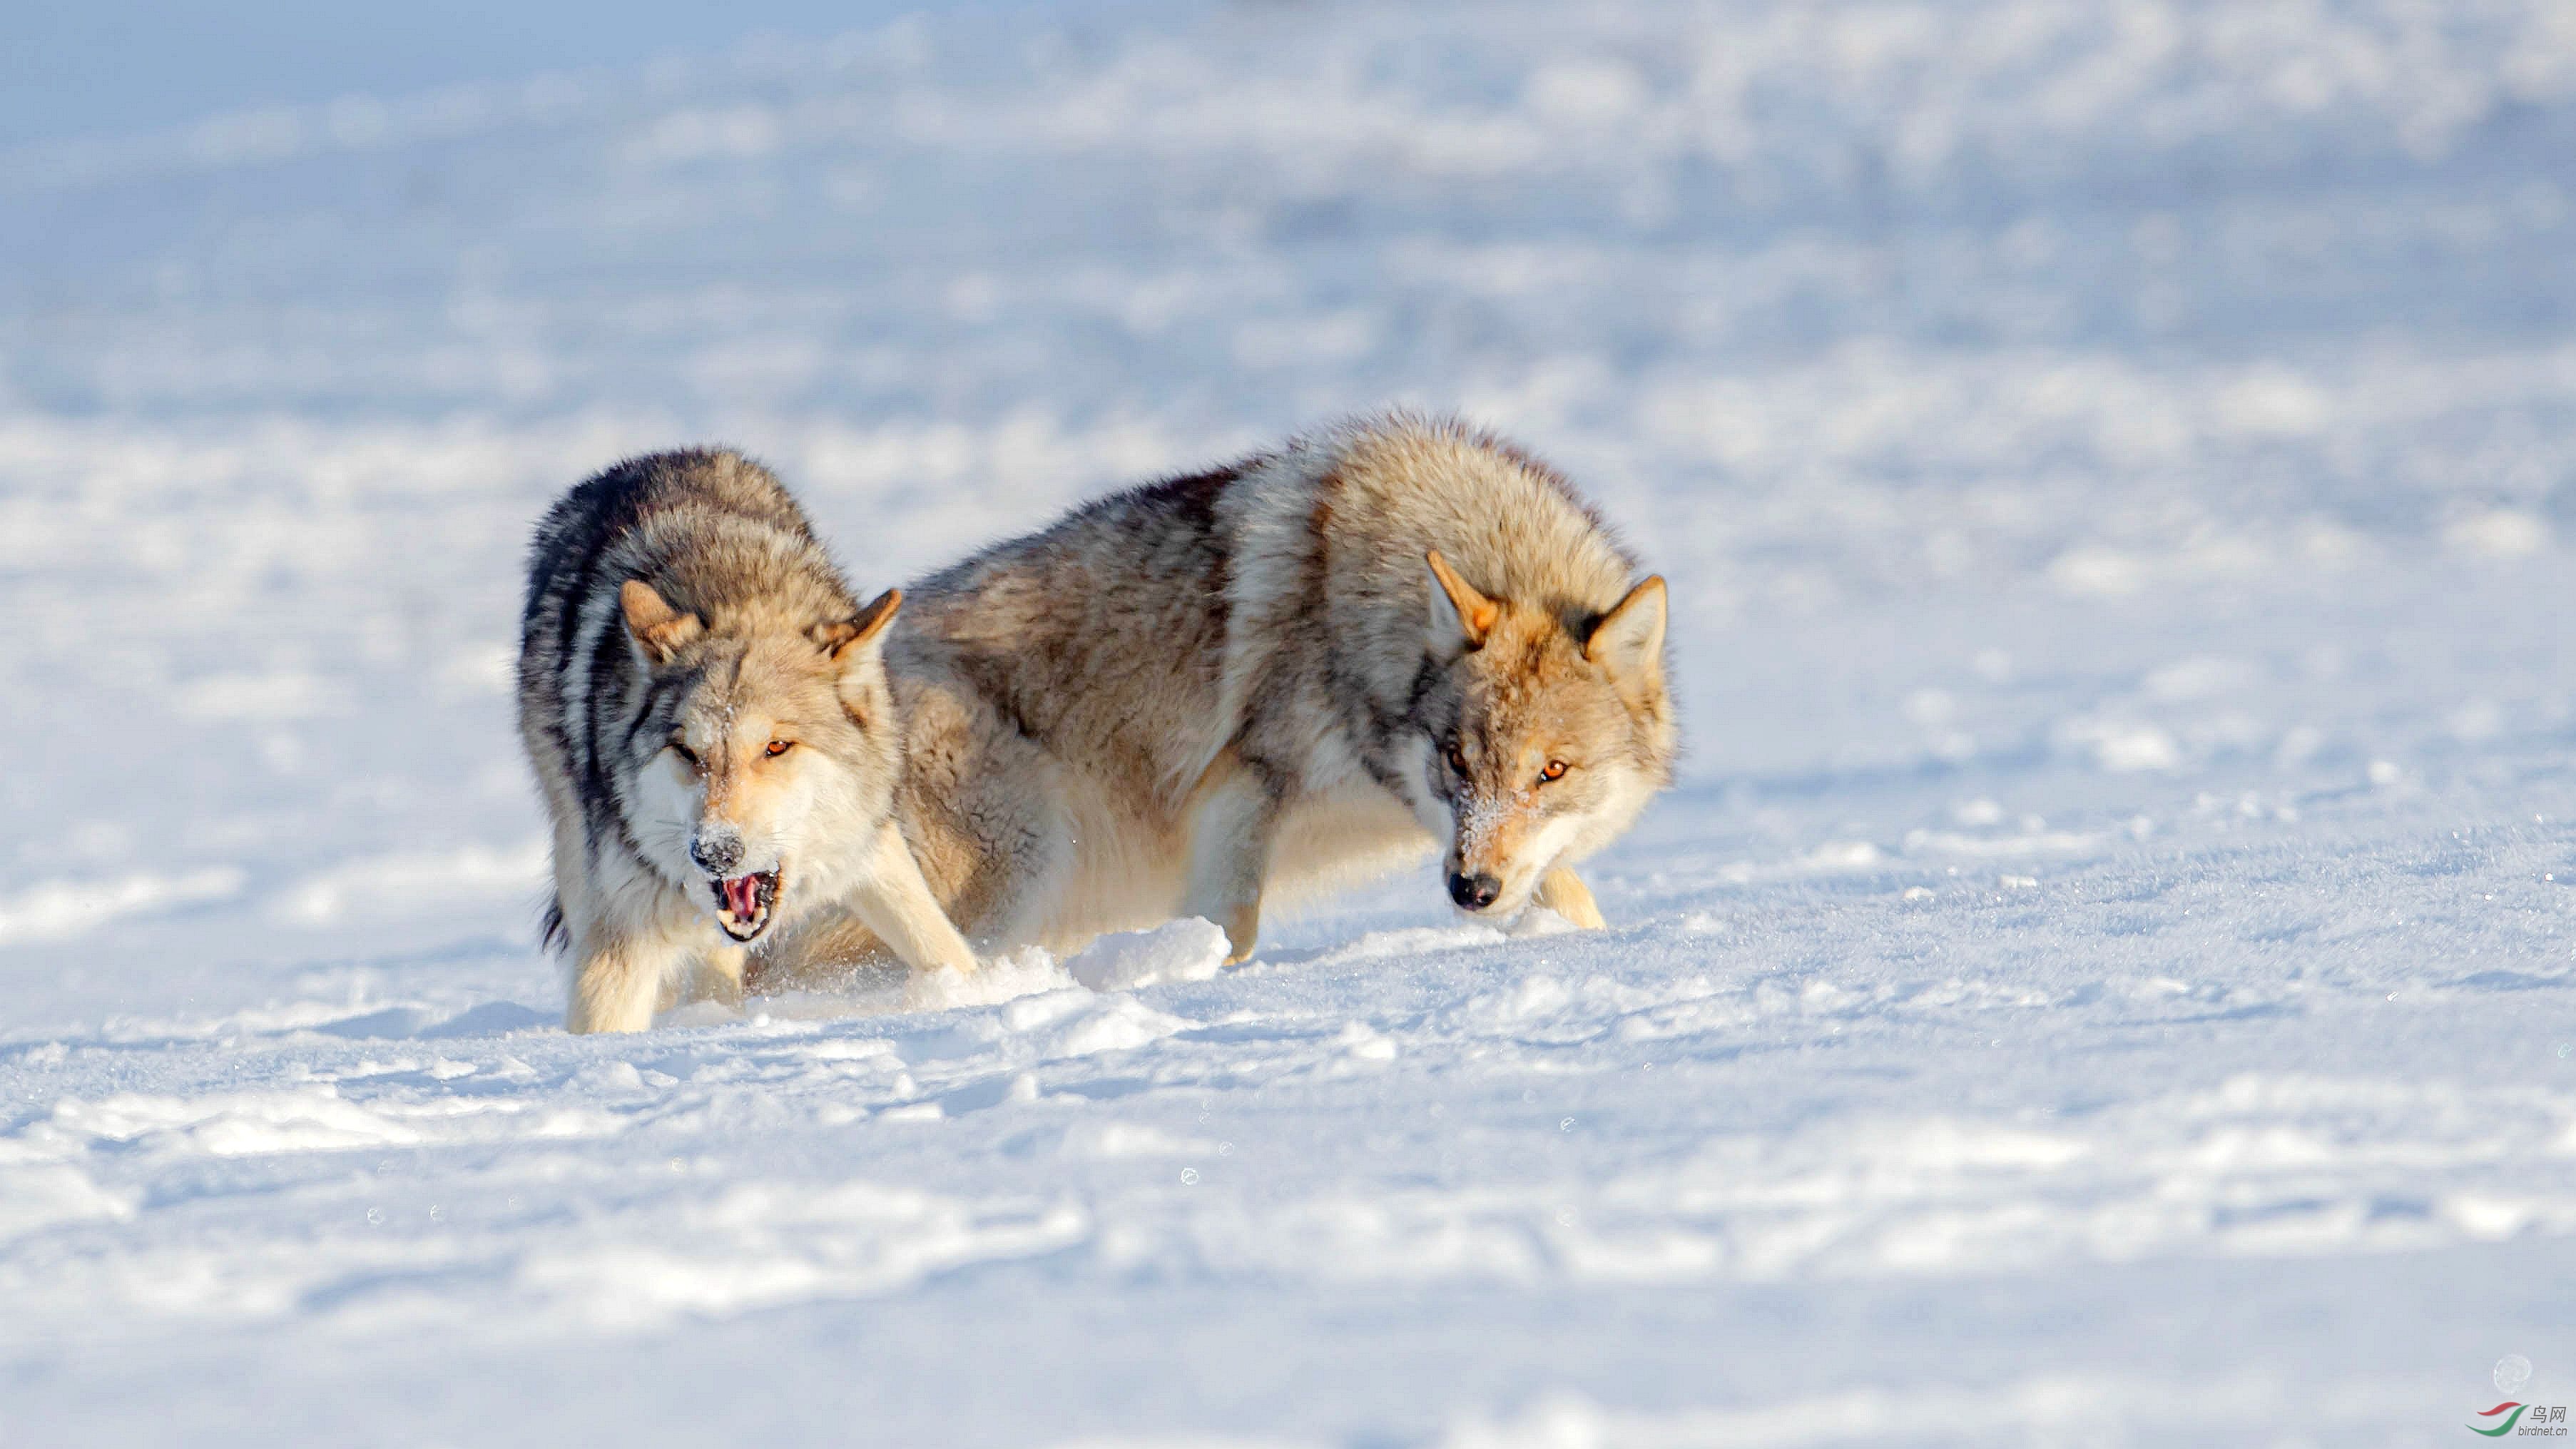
1458, 612
855, 642
660, 630
1629, 640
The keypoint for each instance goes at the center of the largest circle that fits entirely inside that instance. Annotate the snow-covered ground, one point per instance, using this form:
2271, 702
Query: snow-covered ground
2104, 978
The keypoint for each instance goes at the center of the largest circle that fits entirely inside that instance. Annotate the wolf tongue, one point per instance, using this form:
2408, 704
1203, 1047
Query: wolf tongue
742, 895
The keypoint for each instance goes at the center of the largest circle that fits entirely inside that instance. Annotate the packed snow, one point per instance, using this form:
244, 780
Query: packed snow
2104, 975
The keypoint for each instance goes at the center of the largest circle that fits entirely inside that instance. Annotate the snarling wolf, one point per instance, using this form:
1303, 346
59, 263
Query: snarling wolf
707, 709
1314, 664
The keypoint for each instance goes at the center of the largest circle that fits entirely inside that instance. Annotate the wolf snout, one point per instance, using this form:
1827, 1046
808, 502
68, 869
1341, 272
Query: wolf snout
716, 852
1474, 892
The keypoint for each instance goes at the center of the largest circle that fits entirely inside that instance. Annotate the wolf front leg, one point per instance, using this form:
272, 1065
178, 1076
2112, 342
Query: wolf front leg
1237, 812
718, 977
1562, 891
616, 984
896, 903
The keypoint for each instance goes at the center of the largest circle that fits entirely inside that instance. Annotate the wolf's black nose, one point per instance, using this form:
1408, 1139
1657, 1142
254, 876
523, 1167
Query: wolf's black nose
717, 855
1475, 892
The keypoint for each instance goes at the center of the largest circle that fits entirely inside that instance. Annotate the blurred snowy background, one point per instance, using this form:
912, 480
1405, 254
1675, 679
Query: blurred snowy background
2105, 973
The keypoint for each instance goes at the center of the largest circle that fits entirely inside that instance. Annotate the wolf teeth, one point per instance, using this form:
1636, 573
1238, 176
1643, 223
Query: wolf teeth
744, 901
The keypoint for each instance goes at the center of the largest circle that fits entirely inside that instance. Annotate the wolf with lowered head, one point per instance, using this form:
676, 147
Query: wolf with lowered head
707, 710
1313, 664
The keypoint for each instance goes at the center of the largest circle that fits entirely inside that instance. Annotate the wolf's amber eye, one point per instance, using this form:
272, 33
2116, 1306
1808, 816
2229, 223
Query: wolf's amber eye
1458, 759
687, 756
1555, 771
779, 747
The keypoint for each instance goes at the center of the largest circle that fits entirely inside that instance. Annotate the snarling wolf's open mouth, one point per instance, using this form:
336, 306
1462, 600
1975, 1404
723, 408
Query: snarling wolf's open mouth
743, 902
